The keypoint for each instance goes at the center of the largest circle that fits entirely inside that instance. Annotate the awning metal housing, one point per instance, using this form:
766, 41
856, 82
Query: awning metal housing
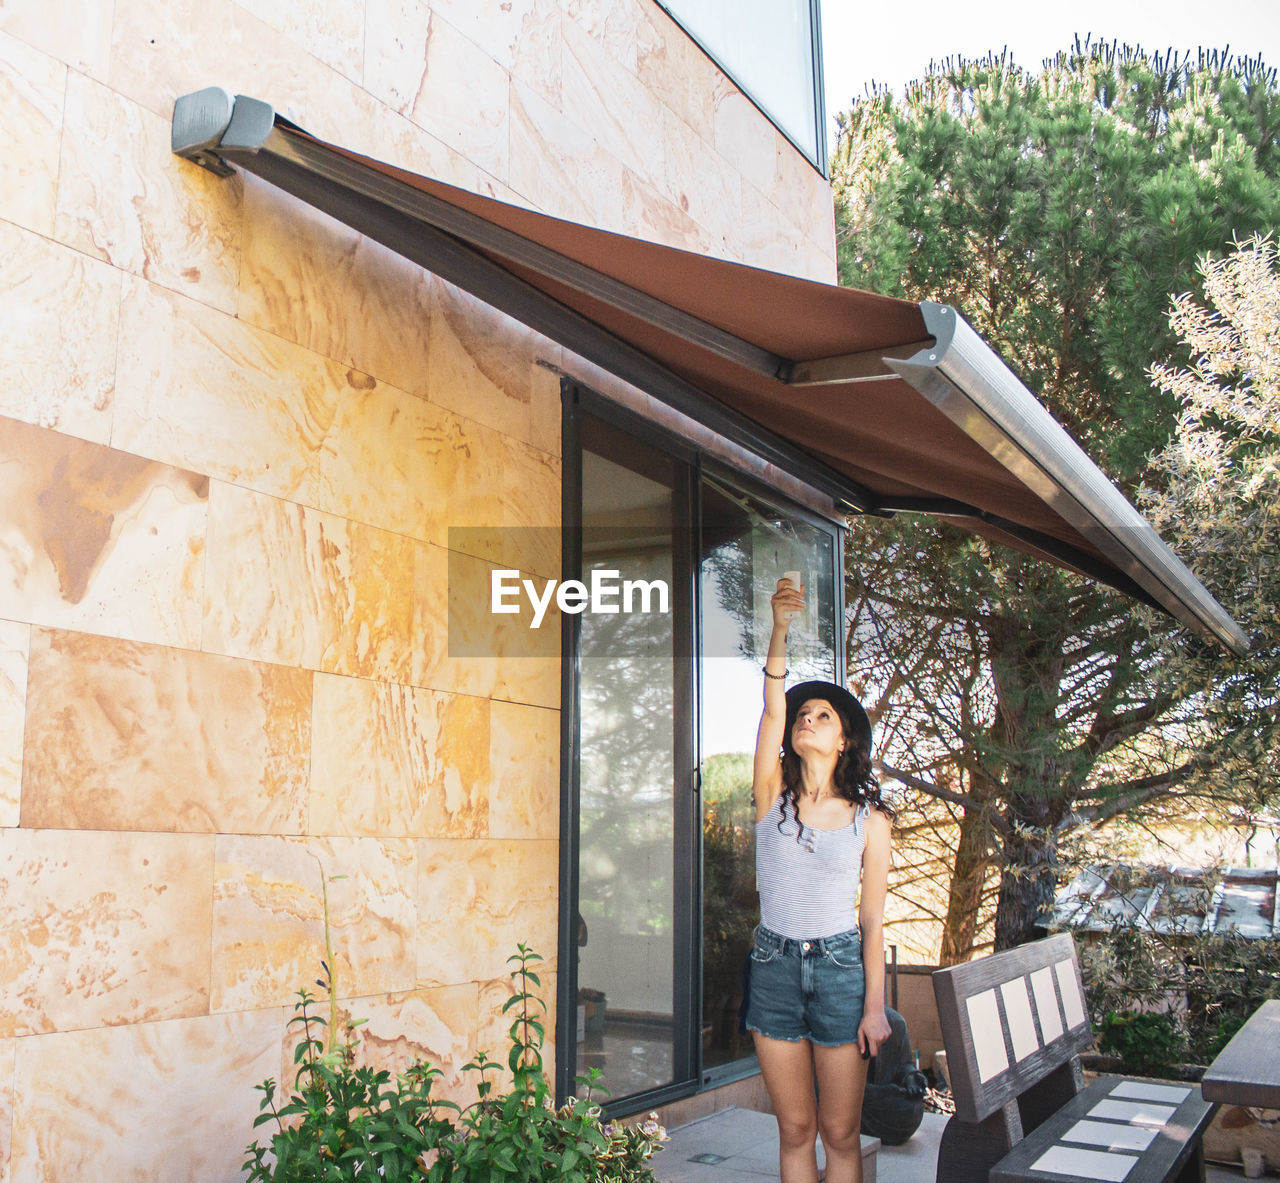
886, 405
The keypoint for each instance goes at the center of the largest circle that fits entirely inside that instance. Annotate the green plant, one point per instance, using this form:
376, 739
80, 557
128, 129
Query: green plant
1146, 1041
1206, 985
345, 1121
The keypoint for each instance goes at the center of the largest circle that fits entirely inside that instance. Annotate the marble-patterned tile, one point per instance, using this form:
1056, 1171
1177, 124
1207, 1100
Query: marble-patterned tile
48, 376
102, 929
295, 586
171, 1100
744, 137
32, 90
562, 168
676, 70
524, 761
389, 460
532, 509
268, 918
816, 263
556, 165
8, 1055
477, 900
523, 36
613, 106
616, 27
531, 680
654, 216
703, 184
154, 42
124, 736
800, 190
481, 362
432, 665
201, 389
99, 540
310, 279
399, 141
434, 1026
73, 32
476, 491
462, 646
762, 243
15, 640
331, 30
123, 197
398, 760
422, 66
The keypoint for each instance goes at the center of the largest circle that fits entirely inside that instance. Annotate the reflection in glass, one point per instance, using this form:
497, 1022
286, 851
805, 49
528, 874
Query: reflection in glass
746, 547
627, 931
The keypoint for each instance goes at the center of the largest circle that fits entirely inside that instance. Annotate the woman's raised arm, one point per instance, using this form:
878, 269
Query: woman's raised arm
766, 779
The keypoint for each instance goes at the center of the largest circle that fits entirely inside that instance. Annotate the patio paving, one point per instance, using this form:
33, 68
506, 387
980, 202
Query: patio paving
747, 1143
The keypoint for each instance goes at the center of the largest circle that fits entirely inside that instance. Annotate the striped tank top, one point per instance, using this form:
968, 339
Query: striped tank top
808, 888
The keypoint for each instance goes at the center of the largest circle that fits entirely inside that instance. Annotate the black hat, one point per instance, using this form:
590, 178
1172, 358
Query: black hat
839, 698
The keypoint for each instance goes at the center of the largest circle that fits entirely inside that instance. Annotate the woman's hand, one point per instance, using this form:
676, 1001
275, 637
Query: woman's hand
787, 602
873, 1031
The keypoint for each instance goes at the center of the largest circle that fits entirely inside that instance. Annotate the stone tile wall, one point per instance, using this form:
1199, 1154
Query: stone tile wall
233, 438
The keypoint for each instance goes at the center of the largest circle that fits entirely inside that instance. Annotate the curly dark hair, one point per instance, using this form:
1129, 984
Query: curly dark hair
852, 778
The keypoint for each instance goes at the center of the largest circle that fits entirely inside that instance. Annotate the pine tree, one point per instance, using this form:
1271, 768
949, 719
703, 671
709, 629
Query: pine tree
1058, 210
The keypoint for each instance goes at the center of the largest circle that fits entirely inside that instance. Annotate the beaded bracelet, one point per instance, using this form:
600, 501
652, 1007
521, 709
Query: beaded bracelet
776, 677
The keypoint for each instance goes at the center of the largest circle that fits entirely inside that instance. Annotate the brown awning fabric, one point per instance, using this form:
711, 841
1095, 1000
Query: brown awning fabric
888, 405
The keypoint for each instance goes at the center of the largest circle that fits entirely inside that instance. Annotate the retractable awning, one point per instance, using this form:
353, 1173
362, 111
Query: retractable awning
886, 405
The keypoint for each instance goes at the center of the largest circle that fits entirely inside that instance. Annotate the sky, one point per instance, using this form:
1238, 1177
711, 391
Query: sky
894, 42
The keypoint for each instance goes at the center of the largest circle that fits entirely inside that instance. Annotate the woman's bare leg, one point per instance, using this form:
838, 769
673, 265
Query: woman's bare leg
788, 1075
842, 1079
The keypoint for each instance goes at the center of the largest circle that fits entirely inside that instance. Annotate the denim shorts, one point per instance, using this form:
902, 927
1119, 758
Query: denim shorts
810, 990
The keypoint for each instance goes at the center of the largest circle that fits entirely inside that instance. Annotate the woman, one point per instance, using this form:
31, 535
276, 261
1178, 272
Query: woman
816, 1005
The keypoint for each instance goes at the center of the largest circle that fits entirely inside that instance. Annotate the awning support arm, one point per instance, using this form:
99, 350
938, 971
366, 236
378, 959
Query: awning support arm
1070, 556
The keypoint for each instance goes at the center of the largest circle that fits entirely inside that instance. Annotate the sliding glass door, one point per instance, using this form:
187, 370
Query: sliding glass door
635, 804
662, 697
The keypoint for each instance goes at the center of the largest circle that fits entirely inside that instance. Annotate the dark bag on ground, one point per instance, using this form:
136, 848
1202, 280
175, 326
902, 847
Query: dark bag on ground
893, 1106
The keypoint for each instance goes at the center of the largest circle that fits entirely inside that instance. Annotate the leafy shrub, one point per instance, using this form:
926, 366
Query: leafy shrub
1203, 986
1147, 1042
345, 1121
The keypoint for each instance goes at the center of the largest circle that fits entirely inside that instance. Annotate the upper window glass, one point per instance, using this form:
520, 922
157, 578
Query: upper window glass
772, 50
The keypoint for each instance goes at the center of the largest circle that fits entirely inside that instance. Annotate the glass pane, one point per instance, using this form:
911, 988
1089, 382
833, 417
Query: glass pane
746, 547
766, 46
627, 898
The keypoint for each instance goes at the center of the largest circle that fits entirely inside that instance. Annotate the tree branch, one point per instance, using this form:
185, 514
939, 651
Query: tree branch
934, 790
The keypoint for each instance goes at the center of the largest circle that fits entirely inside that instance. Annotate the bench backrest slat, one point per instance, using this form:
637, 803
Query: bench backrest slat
1008, 1020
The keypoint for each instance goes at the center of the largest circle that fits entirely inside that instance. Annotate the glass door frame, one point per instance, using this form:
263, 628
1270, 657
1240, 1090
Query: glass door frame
579, 401
688, 1076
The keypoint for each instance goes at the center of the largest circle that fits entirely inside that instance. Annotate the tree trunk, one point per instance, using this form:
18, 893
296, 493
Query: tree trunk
1028, 885
964, 898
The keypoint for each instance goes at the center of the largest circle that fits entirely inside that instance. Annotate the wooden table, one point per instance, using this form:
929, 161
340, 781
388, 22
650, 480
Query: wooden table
1247, 1071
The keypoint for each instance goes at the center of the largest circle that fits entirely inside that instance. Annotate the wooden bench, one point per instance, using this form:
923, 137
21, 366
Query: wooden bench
1013, 1025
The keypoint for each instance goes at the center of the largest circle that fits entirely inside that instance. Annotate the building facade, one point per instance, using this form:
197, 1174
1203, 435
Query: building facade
234, 438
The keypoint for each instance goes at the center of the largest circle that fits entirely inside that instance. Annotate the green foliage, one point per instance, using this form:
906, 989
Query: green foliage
1214, 492
1059, 210
344, 1120
1147, 1042
1157, 999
